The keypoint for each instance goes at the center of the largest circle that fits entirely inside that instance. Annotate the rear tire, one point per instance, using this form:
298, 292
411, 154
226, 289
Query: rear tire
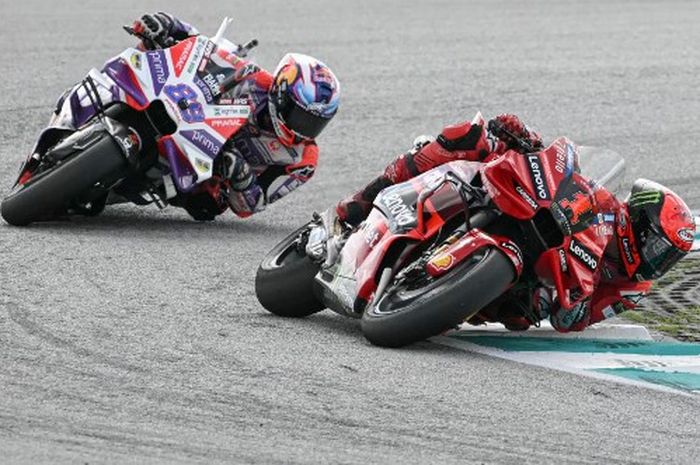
285, 280
404, 316
53, 191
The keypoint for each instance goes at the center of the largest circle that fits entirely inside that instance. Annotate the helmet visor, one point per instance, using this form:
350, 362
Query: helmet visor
658, 254
300, 121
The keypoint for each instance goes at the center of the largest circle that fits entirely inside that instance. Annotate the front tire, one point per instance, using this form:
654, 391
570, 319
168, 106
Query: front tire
404, 315
52, 191
285, 280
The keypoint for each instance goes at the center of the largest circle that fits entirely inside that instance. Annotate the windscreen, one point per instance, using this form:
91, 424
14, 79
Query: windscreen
605, 166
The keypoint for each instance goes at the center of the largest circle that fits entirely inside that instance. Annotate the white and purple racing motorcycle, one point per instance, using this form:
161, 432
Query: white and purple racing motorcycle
149, 125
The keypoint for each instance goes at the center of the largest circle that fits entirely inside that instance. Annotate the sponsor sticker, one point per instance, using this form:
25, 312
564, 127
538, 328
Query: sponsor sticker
180, 54
232, 111
202, 166
204, 141
136, 61
583, 254
538, 177
159, 69
627, 250
563, 264
515, 251
530, 201
686, 235
442, 262
402, 213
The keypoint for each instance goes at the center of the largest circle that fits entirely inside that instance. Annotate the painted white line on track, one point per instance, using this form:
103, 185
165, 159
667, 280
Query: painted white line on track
621, 353
551, 364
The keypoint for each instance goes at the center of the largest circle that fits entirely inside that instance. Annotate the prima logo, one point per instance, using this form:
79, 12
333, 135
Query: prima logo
203, 141
538, 177
584, 255
159, 69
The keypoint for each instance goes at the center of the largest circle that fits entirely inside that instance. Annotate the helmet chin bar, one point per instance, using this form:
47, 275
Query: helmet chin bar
285, 135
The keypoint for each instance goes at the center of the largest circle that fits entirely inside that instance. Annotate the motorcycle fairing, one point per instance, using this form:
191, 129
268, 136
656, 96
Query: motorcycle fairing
450, 256
171, 75
393, 226
522, 186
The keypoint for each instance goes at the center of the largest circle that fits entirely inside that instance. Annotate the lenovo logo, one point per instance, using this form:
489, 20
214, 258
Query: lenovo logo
627, 250
538, 177
584, 255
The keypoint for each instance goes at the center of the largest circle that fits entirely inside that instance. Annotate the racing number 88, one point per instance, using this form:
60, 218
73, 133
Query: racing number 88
194, 112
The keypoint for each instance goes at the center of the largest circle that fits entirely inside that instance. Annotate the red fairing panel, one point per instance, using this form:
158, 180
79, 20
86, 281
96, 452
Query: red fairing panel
520, 184
474, 240
574, 267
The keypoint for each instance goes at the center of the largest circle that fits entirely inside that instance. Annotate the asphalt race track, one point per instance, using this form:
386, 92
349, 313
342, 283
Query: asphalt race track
136, 337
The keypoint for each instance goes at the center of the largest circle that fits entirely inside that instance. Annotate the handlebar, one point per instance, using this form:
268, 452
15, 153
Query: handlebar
524, 145
167, 42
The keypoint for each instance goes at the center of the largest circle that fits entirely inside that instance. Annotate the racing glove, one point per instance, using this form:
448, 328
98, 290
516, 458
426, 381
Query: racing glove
511, 130
160, 30
238, 171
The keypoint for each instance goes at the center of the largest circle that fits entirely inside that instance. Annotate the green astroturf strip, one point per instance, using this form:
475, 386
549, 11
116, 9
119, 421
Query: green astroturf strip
674, 379
543, 344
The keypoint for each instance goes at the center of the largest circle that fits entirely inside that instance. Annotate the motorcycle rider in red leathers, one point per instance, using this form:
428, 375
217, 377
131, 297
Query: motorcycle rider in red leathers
653, 228
274, 153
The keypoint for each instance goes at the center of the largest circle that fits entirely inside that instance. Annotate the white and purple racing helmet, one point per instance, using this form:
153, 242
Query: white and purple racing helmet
303, 99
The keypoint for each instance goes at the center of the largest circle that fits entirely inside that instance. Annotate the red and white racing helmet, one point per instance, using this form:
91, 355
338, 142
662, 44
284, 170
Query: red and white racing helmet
661, 230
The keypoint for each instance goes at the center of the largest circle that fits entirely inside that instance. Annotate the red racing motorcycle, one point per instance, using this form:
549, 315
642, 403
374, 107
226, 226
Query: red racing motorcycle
437, 249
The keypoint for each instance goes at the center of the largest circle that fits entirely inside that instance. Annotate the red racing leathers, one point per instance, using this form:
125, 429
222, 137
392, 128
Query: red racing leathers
463, 141
473, 141
615, 291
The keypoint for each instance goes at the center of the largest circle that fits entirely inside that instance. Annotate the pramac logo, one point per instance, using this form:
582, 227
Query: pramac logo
180, 53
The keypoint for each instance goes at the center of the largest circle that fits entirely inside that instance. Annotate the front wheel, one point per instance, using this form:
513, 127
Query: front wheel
53, 190
409, 313
285, 280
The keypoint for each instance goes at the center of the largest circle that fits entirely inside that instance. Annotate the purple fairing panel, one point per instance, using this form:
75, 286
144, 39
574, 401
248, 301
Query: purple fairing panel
158, 65
182, 172
81, 111
81, 114
122, 75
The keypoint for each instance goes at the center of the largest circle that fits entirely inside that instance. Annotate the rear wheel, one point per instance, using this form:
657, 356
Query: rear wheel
411, 312
285, 279
52, 191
